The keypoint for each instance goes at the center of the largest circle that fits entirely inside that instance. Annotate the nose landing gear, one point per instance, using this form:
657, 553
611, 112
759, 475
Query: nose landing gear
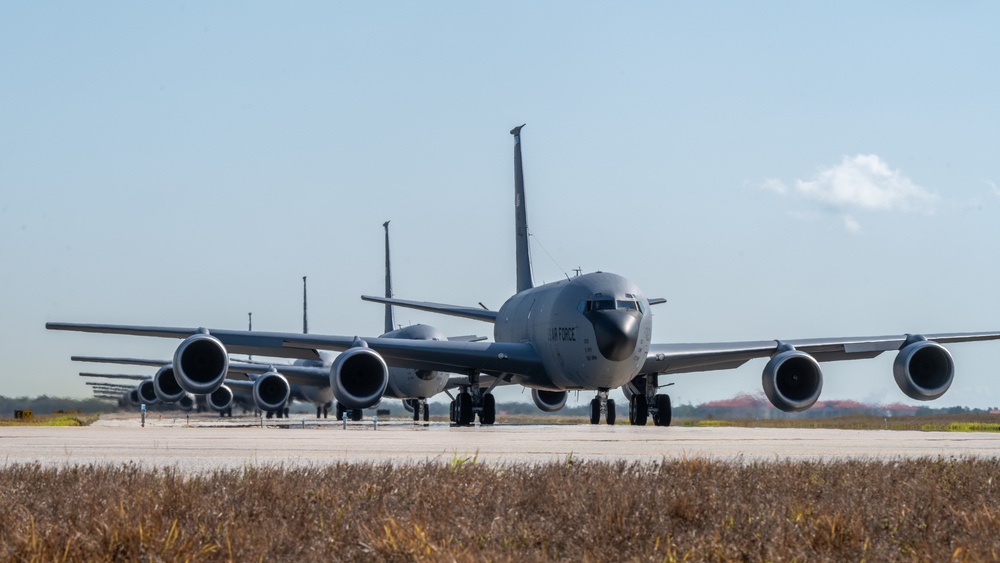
420, 408
602, 407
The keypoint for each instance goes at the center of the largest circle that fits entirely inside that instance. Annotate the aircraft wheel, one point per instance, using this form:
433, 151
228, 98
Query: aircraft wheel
611, 412
319, 412
638, 410
595, 411
356, 415
463, 409
286, 412
489, 412
451, 412
427, 413
662, 416
416, 412
270, 414
340, 411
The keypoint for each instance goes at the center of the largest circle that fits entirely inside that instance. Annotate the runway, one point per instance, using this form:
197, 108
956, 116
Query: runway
209, 444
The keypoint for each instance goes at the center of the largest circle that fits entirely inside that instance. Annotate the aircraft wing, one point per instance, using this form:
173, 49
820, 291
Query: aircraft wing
452, 356
125, 361
474, 313
687, 358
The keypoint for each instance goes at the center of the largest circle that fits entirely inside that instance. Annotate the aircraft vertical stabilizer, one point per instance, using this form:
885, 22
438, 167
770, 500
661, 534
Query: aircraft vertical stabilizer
389, 321
520, 218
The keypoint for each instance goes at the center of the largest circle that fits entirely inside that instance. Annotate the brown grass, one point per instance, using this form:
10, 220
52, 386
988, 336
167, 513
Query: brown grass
938, 422
934, 510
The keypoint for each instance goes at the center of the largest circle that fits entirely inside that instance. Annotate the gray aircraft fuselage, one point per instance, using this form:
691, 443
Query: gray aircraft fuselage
405, 383
592, 331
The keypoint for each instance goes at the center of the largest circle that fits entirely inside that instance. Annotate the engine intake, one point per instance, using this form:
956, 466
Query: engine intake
549, 401
923, 369
165, 385
359, 377
792, 381
200, 364
147, 392
220, 399
186, 403
271, 391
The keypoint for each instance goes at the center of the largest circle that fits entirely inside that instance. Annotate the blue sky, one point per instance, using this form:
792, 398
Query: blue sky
775, 170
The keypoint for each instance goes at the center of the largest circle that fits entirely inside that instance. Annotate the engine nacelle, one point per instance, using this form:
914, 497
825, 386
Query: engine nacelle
221, 399
186, 402
358, 377
792, 381
133, 398
549, 401
271, 391
923, 370
200, 364
165, 385
147, 393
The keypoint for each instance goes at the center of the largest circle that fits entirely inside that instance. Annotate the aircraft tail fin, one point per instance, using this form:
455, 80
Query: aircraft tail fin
520, 218
389, 321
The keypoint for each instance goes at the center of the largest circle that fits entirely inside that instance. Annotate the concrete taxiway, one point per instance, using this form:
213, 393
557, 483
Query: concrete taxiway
207, 444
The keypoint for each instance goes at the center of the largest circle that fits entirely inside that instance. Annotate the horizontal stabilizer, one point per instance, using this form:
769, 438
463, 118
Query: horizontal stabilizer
475, 313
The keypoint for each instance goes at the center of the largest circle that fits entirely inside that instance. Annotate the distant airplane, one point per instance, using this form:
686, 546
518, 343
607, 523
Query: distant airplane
309, 380
589, 332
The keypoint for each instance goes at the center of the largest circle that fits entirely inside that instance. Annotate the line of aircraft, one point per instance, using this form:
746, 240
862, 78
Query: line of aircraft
592, 332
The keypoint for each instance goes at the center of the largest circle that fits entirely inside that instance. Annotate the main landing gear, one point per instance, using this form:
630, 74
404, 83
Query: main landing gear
645, 403
602, 407
352, 414
473, 401
323, 410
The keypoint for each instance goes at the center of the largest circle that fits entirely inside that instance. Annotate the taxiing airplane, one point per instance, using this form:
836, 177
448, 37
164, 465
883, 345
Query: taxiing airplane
591, 332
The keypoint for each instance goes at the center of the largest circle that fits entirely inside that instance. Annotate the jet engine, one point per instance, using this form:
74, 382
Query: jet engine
133, 398
549, 401
271, 391
220, 399
792, 381
200, 364
186, 402
359, 377
165, 385
923, 369
147, 393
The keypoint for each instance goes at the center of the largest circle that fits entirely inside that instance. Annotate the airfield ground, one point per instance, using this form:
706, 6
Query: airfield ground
204, 443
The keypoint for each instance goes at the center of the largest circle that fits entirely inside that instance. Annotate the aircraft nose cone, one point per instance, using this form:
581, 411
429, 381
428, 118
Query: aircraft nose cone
617, 333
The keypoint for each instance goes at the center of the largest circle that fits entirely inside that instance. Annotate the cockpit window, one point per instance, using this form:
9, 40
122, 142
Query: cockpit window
609, 305
626, 305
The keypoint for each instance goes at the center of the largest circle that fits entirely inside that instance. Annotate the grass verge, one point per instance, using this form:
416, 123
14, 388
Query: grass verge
925, 509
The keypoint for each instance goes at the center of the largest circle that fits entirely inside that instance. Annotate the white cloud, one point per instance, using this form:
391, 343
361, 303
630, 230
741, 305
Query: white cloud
851, 225
860, 183
865, 182
776, 186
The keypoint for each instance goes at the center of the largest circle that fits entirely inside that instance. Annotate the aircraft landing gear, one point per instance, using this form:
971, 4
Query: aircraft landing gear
420, 409
473, 401
352, 414
602, 407
645, 402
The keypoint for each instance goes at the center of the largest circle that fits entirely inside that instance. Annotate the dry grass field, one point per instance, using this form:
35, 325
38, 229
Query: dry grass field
694, 510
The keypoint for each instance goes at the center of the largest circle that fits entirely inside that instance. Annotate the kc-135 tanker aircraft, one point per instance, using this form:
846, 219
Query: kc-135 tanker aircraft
591, 332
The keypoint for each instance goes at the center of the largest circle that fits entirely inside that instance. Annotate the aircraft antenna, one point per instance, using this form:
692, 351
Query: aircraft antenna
550, 256
578, 271
305, 308
389, 325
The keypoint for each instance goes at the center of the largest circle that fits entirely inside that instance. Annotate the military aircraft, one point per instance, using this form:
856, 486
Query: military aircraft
590, 332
